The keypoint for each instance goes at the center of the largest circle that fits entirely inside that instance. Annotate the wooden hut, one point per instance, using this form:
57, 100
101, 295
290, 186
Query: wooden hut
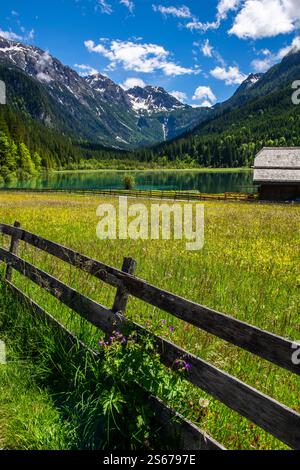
277, 173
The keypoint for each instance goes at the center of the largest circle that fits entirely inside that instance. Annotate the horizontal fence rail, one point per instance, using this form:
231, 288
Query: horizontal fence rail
272, 416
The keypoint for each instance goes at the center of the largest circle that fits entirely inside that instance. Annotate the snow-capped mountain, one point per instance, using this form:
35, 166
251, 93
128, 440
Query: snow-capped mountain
250, 81
147, 100
153, 100
92, 108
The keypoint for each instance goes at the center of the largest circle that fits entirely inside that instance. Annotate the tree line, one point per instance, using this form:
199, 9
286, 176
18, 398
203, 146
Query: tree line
16, 161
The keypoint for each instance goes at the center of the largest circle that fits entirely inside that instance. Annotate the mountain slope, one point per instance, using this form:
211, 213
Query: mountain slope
260, 113
241, 95
94, 108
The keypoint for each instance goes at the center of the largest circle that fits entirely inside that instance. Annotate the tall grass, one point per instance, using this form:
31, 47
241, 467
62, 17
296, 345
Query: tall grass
60, 396
28, 416
249, 268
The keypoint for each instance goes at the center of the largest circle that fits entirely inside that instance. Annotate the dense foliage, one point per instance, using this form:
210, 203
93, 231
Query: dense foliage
16, 161
56, 150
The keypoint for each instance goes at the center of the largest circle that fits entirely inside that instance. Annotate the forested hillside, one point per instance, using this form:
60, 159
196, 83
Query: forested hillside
234, 138
259, 115
55, 150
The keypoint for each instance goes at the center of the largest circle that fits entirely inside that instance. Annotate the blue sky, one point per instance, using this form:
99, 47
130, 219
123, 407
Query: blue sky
200, 50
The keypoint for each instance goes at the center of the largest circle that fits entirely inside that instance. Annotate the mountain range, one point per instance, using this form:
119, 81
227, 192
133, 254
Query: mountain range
92, 108
67, 117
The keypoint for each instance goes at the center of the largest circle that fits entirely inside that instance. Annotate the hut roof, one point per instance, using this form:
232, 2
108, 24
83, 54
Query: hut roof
277, 165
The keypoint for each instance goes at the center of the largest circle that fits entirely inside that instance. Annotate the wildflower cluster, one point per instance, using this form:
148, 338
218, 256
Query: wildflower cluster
116, 337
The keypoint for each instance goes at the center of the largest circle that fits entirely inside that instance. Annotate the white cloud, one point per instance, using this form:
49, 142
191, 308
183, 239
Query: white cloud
224, 6
206, 104
132, 82
254, 19
43, 77
105, 7
10, 35
206, 94
266, 18
207, 49
262, 65
86, 70
139, 57
177, 12
129, 4
294, 47
197, 25
265, 52
231, 76
42, 66
44, 60
179, 95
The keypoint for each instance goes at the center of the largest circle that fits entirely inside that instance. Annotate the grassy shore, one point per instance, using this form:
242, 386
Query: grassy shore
248, 268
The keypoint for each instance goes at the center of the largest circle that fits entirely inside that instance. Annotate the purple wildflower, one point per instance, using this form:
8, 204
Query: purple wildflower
183, 365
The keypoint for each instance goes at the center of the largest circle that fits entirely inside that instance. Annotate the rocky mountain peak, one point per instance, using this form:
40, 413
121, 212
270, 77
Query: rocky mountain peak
107, 89
153, 99
253, 78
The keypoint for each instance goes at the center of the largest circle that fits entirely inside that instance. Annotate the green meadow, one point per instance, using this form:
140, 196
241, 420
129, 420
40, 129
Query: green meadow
248, 268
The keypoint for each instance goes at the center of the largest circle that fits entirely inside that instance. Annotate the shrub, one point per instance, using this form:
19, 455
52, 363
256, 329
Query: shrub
128, 182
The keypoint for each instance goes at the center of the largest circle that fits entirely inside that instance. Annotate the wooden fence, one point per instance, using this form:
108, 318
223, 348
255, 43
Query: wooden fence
157, 194
272, 416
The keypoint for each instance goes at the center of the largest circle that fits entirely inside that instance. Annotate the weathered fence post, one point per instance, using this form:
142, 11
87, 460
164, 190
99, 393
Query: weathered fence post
121, 299
13, 249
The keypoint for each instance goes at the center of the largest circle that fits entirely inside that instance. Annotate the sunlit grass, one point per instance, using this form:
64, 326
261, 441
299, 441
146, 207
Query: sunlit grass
248, 268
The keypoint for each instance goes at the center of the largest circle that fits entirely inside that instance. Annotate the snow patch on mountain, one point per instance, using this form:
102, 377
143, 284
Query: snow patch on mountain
153, 100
